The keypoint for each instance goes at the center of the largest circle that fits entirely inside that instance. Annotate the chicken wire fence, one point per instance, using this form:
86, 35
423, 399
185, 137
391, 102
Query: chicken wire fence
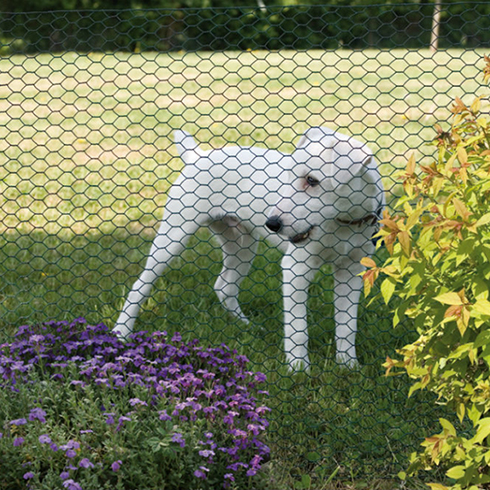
93, 105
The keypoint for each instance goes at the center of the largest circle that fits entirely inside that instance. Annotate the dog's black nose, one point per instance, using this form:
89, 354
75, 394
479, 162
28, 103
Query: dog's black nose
274, 223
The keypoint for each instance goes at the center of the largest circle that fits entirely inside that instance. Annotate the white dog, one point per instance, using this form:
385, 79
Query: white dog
319, 204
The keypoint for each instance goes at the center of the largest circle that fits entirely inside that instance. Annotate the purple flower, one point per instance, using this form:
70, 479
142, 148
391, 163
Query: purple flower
229, 417
262, 410
122, 419
201, 472
28, 475
70, 445
238, 433
137, 401
197, 384
64, 475
229, 476
18, 441
38, 414
256, 461
36, 339
164, 416
86, 463
71, 485
254, 429
179, 439
209, 410
44, 439
70, 448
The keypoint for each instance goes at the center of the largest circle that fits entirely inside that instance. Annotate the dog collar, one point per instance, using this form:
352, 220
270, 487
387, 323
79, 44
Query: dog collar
369, 219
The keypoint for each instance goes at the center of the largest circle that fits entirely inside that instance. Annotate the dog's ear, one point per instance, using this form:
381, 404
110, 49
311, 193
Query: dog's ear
316, 143
356, 179
351, 159
187, 147
369, 173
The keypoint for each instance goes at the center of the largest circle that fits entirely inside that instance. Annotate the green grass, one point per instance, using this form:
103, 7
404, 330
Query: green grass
86, 158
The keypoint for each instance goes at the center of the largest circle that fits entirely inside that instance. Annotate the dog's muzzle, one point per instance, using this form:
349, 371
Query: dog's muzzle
301, 237
274, 223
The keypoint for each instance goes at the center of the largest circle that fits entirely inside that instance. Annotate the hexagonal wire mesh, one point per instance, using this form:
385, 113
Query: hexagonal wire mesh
90, 102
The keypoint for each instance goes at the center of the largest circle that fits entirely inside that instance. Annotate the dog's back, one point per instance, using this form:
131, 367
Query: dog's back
240, 181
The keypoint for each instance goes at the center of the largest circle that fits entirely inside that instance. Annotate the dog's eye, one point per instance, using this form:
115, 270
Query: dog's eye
312, 181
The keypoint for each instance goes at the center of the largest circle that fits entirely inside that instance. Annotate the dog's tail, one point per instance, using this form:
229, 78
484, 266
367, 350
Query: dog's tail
187, 147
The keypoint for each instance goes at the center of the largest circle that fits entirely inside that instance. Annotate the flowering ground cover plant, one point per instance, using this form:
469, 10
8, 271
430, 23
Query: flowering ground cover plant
79, 409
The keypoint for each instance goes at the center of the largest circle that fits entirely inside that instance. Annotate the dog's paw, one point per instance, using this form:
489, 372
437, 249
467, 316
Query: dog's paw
121, 331
298, 364
347, 361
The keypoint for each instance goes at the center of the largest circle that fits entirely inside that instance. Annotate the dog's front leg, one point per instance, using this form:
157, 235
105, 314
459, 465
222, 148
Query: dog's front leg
347, 293
298, 273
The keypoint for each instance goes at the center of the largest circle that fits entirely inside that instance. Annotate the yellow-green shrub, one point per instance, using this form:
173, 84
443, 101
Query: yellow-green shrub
438, 239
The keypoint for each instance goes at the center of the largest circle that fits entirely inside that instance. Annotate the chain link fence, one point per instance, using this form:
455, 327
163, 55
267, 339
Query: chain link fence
89, 105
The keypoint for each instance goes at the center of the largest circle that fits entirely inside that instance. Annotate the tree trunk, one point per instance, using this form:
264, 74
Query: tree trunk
436, 23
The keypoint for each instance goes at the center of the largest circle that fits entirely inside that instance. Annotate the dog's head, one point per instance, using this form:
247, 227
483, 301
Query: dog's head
332, 176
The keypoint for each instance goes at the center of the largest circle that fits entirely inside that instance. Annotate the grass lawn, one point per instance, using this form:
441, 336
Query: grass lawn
86, 158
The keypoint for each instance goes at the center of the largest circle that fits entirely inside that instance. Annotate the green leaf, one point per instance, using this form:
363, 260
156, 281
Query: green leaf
479, 288
304, 484
482, 339
482, 307
456, 472
485, 219
437, 486
465, 248
449, 299
460, 411
415, 279
474, 414
461, 352
415, 387
388, 288
313, 456
447, 426
483, 430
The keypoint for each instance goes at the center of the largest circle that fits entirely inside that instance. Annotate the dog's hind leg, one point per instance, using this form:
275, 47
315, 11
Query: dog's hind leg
239, 249
170, 241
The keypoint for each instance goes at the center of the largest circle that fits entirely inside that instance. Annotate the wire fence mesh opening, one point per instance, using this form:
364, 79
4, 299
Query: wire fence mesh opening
89, 105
